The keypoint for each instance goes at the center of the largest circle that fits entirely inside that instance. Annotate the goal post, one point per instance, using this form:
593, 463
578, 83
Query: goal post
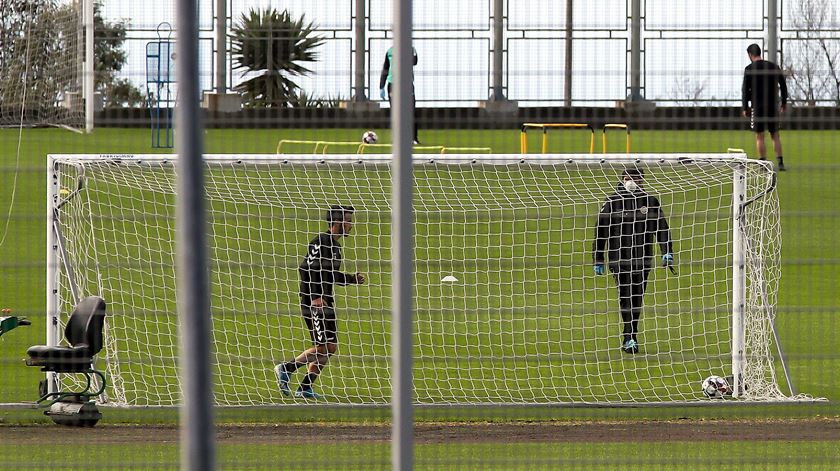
508, 308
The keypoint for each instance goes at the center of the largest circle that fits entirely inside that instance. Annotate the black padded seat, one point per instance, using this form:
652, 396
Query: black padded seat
84, 334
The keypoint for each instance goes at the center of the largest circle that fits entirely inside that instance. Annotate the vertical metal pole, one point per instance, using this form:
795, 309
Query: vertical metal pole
498, 50
567, 88
636, 51
89, 92
739, 278
221, 46
772, 31
402, 241
360, 26
197, 447
52, 265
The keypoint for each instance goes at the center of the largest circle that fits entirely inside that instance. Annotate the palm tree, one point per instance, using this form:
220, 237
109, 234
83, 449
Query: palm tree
273, 44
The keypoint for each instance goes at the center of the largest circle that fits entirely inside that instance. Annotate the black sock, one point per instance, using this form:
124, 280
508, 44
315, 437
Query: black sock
292, 366
627, 326
780, 158
308, 380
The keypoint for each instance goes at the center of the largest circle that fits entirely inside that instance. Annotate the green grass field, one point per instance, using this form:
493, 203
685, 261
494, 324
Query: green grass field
807, 308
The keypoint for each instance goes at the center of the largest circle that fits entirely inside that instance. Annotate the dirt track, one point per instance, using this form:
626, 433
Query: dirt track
426, 433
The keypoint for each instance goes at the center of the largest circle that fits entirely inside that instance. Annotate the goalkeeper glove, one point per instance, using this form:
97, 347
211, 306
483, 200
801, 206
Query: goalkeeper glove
667, 260
382, 94
599, 269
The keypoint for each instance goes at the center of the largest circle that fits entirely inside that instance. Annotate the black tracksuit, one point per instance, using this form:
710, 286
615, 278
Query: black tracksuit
319, 271
763, 81
628, 226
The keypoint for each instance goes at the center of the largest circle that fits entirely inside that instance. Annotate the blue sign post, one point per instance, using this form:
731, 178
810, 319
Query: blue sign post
160, 87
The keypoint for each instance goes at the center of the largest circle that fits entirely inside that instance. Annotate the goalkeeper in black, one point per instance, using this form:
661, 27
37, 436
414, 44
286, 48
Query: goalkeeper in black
628, 225
319, 271
763, 83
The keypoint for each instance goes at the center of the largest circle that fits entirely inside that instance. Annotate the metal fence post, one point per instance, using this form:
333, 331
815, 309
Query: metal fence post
197, 446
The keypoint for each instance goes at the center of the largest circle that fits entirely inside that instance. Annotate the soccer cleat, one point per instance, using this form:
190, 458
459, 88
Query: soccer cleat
416, 142
308, 394
630, 346
781, 166
283, 378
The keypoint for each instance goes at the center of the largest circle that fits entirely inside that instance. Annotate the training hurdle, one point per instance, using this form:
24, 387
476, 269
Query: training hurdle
284, 142
614, 126
469, 150
523, 135
323, 147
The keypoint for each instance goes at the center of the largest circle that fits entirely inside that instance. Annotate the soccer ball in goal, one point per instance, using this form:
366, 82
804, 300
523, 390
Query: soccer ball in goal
528, 321
369, 137
715, 387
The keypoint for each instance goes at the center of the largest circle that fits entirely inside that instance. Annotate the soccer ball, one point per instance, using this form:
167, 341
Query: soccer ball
369, 137
715, 387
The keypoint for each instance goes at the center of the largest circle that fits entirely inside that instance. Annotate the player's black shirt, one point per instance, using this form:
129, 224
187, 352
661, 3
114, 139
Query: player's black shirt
319, 270
763, 80
627, 225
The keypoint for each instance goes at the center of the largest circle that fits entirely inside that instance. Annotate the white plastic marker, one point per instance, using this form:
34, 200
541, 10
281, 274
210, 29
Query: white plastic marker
449, 279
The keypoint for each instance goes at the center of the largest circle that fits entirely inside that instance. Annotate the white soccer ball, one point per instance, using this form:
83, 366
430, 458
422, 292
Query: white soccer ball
715, 387
369, 137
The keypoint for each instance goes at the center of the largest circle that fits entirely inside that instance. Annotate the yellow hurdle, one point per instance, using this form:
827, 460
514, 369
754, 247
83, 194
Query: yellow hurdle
472, 150
523, 135
362, 147
326, 145
615, 126
283, 142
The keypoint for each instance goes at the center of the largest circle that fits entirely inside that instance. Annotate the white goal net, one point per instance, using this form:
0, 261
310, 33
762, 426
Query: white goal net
525, 320
41, 47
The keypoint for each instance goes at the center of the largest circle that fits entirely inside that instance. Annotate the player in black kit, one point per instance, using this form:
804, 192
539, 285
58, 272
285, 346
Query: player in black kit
628, 224
319, 271
763, 81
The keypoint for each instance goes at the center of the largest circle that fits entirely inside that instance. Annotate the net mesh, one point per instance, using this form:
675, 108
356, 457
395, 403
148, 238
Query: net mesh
526, 321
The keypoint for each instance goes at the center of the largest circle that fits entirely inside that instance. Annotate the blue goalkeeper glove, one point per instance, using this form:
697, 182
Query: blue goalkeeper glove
599, 269
383, 94
668, 261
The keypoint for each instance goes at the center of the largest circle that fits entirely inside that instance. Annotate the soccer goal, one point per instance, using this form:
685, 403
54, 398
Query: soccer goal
43, 63
508, 307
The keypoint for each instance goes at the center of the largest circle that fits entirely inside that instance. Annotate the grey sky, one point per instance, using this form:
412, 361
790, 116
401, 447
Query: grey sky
689, 45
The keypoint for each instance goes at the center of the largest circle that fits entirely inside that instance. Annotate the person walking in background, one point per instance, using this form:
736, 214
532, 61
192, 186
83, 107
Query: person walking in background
386, 81
763, 81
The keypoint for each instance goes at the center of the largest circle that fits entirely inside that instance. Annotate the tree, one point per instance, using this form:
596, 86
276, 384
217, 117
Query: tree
687, 90
41, 46
110, 59
813, 63
34, 46
272, 45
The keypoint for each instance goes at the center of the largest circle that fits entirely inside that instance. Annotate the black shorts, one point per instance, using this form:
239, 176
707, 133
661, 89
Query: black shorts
321, 324
761, 121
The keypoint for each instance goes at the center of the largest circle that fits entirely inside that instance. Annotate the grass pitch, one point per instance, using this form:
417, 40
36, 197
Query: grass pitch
807, 310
